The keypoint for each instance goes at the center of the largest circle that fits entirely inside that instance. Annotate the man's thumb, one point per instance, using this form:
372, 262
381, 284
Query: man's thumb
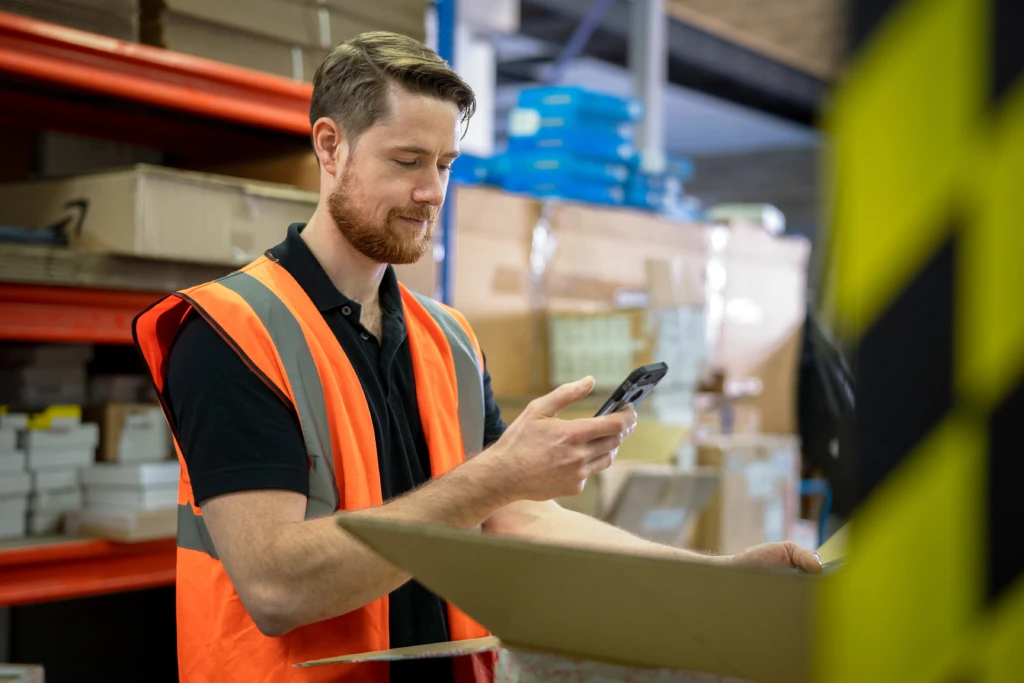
564, 396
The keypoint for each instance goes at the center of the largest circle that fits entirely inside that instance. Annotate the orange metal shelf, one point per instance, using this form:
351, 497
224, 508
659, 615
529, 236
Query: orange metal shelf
69, 314
49, 54
79, 568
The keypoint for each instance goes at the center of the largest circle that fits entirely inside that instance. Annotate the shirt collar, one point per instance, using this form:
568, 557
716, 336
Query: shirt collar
295, 256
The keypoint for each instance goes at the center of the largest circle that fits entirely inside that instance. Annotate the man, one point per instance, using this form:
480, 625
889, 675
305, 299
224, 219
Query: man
311, 381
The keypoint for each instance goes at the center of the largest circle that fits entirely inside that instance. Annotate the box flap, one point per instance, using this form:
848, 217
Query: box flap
613, 607
456, 648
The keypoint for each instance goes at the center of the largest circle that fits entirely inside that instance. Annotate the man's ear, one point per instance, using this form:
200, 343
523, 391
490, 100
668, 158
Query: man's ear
330, 145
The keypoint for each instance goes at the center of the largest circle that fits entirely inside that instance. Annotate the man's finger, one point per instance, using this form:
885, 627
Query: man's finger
804, 559
594, 428
598, 464
564, 396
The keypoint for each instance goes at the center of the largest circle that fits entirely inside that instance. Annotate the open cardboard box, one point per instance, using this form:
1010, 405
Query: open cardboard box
604, 615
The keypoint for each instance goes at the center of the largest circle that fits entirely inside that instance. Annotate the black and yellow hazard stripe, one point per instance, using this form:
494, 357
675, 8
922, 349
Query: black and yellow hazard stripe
926, 285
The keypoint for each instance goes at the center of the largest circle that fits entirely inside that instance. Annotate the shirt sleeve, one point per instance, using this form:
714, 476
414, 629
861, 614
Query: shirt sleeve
235, 433
494, 426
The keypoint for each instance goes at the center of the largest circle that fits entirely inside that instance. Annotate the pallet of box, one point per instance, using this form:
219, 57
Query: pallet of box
289, 38
128, 502
161, 213
521, 260
113, 18
37, 375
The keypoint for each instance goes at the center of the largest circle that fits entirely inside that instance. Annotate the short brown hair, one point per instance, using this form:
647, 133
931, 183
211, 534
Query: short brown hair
351, 86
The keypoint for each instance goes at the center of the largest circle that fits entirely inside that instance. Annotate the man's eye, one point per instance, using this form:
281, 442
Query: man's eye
405, 164
444, 168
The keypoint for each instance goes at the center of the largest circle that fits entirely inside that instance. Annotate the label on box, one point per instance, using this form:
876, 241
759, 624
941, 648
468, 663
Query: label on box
774, 521
664, 519
761, 477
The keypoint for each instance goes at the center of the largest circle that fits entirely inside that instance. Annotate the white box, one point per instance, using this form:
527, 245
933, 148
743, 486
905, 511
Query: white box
14, 421
13, 526
85, 435
55, 501
44, 522
13, 506
60, 459
132, 474
15, 484
13, 462
55, 480
8, 439
130, 499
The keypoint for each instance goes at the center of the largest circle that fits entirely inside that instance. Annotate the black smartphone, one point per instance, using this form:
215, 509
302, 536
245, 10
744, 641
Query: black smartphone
635, 389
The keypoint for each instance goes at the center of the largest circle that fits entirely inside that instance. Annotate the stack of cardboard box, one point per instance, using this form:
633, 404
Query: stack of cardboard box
284, 37
55, 458
39, 375
114, 18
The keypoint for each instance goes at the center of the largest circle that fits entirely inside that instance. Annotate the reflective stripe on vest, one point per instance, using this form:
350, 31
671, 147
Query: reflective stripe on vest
298, 363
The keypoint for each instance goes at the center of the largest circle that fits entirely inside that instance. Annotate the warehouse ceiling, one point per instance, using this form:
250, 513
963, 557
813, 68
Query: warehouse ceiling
730, 98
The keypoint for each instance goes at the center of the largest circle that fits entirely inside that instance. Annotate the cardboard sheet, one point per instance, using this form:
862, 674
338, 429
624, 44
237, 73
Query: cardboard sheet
613, 607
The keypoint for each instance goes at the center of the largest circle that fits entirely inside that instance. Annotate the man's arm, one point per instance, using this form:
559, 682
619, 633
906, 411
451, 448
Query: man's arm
549, 522
289, 572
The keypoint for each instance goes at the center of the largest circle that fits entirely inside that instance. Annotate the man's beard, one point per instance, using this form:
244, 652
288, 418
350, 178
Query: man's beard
381, 243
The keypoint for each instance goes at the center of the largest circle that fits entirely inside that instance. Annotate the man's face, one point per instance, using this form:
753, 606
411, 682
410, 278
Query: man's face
393, 183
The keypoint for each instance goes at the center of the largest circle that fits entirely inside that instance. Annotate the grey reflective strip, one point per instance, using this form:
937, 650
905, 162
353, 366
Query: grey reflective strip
192, 532
290, 342
468, 375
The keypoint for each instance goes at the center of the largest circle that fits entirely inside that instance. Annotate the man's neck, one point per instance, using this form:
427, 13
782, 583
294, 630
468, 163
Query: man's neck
355, 276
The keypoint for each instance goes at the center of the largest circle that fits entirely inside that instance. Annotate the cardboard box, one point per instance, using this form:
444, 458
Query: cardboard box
282, 37
13, 461
131, 432
758, 499
603, 253
617, 608
157, 212
124, 527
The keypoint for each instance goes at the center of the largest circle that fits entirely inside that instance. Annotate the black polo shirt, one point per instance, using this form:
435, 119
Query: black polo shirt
237, 435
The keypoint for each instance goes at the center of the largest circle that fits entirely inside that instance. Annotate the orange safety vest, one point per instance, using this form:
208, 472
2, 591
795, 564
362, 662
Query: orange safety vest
269, 320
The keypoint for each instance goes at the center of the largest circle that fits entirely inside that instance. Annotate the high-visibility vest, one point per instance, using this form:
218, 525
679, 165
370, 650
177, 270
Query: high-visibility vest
269, 320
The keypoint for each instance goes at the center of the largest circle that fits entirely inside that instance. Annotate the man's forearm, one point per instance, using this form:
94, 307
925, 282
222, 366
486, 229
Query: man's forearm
553, 523
316, 571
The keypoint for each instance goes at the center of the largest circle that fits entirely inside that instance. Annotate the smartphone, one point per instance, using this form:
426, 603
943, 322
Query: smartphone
635, 389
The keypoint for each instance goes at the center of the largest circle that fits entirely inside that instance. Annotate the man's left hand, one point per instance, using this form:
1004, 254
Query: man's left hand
782, 555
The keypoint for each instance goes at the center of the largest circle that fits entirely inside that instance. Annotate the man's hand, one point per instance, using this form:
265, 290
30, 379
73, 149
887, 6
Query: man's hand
541, 457
785, 555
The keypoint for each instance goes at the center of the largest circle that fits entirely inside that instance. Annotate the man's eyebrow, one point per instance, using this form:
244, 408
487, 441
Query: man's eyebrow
412, 149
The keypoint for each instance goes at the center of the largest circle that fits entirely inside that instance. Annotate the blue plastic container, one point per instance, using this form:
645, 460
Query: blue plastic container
585, 102
542, 166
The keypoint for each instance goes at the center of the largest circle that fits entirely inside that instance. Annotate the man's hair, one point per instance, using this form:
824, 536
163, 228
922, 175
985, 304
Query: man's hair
351, 86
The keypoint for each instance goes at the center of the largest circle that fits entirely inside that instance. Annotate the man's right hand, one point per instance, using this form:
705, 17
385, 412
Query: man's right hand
541, 457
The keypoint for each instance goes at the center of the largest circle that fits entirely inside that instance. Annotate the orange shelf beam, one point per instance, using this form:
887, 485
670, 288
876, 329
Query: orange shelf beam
80, 568
69, 314
66, 57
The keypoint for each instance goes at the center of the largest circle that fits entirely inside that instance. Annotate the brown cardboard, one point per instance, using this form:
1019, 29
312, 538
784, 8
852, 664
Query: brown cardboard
162, 213
758, 497
663, 507
447, 649
22, 673
299, 168
123, 527
626, 609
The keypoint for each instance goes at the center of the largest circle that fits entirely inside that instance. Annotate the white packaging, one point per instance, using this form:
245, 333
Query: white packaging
61, 459
85, 435
55, 501
14, 421
13, 526
13, 462
51, 480
44, 522
13, 506
130, 499
15, 484
8, 440
132, 474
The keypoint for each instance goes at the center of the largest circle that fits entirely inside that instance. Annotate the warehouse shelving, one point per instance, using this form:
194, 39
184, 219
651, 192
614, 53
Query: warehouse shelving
57, 78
